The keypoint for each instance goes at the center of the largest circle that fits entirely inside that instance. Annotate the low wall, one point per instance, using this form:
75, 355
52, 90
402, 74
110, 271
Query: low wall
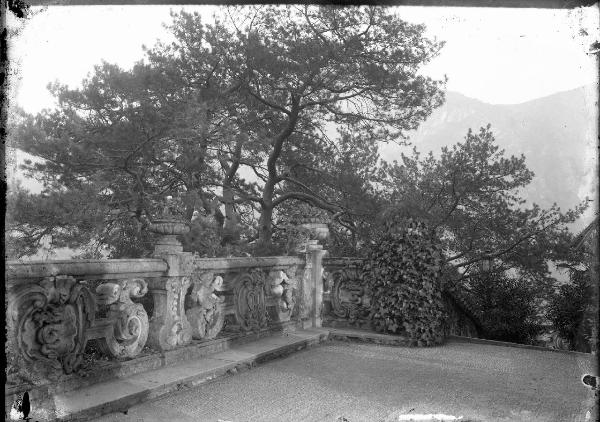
60, 312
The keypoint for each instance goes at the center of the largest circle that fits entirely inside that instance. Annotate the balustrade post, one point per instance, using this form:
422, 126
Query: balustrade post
169, 326
316, 253
312, 283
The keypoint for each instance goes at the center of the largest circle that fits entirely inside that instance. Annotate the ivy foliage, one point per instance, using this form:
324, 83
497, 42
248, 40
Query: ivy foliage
567, 310
404, 275
507, 307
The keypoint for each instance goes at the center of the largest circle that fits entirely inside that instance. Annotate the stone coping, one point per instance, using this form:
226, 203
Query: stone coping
357, 334
85, 267
342, 261
367, 336
245, 262
148, 267
509, 344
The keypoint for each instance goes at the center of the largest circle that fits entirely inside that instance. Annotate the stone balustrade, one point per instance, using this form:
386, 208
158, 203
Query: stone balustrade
347, 299
55, 308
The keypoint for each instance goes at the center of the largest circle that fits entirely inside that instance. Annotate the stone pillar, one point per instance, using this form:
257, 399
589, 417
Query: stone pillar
312, 280
316, 253
169, 326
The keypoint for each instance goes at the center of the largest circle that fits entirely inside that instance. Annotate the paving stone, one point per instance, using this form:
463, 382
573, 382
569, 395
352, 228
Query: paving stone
370, 382
120, 394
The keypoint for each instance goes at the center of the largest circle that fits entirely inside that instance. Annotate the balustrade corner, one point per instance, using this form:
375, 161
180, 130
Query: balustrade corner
52, 319
56, 309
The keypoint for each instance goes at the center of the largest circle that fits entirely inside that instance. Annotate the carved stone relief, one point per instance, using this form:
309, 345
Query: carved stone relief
350, 298
51, 319
205, 308
305, 305
249, 300
130, 328
294, 288
282, 285
169, 326
180, 332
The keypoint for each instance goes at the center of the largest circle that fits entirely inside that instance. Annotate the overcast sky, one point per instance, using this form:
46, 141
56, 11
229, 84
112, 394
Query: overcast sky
497, 55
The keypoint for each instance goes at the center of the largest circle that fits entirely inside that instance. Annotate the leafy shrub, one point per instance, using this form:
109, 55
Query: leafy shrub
203, 238
404, 273
506, 307
567, 308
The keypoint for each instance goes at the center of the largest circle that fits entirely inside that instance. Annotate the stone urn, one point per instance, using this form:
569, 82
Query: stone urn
318, 228
169, 228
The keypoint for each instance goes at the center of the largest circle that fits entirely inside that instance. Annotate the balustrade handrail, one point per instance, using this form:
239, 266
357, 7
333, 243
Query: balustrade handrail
86, 267
342, 260
98, 267
246, 262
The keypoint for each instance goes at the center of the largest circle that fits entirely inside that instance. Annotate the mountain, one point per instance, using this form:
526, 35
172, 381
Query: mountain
557, 134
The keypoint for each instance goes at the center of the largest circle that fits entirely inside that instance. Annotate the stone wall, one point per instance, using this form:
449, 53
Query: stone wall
346, 299
57, 310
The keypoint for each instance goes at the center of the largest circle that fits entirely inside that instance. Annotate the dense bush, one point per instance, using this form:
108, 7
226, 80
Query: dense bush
506, 307
567, 308
203, 238
404, 272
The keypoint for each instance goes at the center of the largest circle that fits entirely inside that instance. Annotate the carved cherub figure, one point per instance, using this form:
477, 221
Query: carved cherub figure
204, 312
108, 293
287, 298
281, 287
206, 295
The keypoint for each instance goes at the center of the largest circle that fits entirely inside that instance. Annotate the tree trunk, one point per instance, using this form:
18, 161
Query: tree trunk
265, 226
231, 229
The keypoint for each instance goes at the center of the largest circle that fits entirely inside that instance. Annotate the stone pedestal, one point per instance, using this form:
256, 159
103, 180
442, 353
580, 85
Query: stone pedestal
312, 280
169, 326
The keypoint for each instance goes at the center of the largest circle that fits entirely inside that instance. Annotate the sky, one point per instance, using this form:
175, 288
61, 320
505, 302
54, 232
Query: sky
497, 55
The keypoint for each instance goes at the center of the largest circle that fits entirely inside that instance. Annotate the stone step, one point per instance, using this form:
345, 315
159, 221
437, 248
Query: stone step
97, 371
367, 336
120, 394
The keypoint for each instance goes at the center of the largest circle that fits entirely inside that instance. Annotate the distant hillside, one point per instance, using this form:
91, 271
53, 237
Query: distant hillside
557, 135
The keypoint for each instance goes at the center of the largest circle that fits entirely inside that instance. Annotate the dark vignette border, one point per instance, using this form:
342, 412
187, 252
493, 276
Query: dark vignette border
20, 9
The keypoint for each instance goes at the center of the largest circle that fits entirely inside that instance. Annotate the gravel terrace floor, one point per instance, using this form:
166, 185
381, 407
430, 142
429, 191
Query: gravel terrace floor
352, 382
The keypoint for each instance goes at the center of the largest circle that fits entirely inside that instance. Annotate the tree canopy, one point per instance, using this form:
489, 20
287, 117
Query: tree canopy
234, 119
471, 195
264, 108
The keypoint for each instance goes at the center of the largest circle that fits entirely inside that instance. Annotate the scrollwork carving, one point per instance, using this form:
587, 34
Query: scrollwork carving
205, 313
180, 331
169, 326
350, 297
51, 319
130, 328
249, 299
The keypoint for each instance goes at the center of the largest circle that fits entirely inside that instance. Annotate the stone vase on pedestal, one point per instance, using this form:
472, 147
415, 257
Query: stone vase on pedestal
169, 326
312, 285
319, 230
169, 229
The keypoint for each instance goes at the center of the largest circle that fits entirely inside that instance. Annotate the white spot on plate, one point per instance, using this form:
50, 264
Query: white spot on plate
429, 417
